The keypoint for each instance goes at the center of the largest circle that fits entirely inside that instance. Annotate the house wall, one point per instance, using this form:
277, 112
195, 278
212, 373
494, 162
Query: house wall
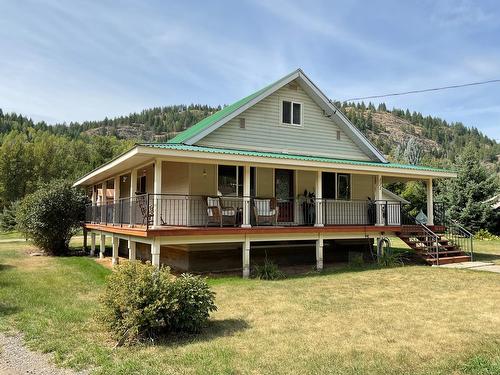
201, 184
265, 182
305, 180
175, 178
362, 187
263, 130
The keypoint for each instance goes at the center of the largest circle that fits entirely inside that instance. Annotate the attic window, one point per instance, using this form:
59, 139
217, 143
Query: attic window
242, 122
338, 135
291, 112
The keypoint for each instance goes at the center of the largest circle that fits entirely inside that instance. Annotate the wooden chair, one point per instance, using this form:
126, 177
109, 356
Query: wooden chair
147, 213
219, 214
266, 211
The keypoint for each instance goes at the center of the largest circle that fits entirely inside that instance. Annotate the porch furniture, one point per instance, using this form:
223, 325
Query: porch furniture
266, 211
147, 213
219, 214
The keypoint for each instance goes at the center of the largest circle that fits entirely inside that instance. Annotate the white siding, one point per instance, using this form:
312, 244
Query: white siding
263, 131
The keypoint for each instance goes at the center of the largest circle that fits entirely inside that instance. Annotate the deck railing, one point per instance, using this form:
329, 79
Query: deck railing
197, 210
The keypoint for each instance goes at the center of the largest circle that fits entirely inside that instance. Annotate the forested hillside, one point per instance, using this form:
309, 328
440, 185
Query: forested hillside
33, 153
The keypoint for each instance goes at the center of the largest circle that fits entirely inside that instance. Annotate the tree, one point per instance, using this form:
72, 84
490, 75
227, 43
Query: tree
52, 215
8, 220
413, 152
465, 196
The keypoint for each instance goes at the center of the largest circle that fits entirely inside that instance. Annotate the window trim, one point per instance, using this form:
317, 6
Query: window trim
292, 101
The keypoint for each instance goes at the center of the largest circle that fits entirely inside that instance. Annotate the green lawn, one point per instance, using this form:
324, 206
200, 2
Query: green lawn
414, 319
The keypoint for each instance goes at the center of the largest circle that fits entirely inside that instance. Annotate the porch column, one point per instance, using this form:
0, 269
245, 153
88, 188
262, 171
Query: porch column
116, 197
379, 205
319, 253
103, 203
319, 199
157, 191
133, 189
102, 246
246, 197
155, 253
246, 258
94, 204
92, 244
116, 241
430, 203
131, 250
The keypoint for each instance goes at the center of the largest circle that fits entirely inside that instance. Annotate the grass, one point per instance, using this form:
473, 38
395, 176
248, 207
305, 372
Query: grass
10, 235
413, 319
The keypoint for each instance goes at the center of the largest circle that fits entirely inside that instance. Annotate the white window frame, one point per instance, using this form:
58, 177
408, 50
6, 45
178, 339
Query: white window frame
291, 112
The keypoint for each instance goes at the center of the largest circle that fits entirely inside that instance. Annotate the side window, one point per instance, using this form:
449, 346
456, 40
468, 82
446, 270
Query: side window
344, 186
291, 113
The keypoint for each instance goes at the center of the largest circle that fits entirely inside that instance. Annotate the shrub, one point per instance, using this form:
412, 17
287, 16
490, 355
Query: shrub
356, 259
484, 234
51, 216
268, 271
141, 301
8, 222
391, 257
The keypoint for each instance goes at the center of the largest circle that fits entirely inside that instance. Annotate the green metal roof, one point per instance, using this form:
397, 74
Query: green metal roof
277, 155
219, 115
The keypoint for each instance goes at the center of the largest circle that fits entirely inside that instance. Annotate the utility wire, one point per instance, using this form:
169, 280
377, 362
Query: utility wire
423, 90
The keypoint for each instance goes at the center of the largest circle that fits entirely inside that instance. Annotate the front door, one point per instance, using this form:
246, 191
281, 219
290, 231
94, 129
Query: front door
284, 188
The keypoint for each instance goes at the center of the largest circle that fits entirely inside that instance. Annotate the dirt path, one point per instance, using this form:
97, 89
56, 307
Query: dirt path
16, 359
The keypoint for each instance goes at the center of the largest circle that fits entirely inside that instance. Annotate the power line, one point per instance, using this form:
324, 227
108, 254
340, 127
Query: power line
423, 90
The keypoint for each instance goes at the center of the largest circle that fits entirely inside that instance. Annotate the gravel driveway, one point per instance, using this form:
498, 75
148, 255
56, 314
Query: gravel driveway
16, 359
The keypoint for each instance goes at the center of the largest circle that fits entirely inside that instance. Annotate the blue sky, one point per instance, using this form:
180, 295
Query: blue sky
84, 60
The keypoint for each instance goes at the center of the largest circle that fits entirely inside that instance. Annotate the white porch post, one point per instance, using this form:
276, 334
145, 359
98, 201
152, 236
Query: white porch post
92, 244
319, 253
116, 241
155, 253
379, 205
131, 250
102, 246
133, 189
156, 191
430, 203
94, 203
116, 197
104, 210
246, 197
319, 200
246, 258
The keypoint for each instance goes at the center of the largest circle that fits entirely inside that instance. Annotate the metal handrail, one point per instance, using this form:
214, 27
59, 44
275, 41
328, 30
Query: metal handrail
460, 237
435, 240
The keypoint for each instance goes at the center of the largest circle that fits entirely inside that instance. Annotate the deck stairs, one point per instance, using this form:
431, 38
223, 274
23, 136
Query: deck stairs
444, 245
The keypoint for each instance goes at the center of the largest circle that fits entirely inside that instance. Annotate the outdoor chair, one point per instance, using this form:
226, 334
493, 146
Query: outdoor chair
266, 211
219, 214
147, 213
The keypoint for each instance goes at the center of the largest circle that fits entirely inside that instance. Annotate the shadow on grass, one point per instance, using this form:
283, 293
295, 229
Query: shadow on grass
8, 310
214, 329
486, 257
6, 267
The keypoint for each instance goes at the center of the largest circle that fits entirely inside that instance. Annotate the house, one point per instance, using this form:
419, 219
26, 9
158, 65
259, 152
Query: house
281, 170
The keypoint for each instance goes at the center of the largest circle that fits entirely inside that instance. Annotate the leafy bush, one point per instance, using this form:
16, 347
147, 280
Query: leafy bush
484, 234
268, 271
141, 301
52, 215
391, 257
8, 222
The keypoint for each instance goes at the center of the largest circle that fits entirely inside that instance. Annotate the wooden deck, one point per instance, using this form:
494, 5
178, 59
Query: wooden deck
166, 231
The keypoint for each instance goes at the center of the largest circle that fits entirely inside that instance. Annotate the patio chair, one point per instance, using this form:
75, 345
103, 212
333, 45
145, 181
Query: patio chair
219, 214
266, 211
146, 214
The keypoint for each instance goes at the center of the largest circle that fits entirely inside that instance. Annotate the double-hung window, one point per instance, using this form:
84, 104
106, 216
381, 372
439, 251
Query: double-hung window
291, 112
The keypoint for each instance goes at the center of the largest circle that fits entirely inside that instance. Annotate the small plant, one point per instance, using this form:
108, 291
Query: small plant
356, 259
268, 271
484, 234
141, 301
391, 258
8, 222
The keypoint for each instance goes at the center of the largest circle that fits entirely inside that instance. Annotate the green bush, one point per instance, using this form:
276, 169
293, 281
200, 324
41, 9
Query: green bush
141, 301
52, 215
268, 271
356, 259
8, 222
391, 258
484, 234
